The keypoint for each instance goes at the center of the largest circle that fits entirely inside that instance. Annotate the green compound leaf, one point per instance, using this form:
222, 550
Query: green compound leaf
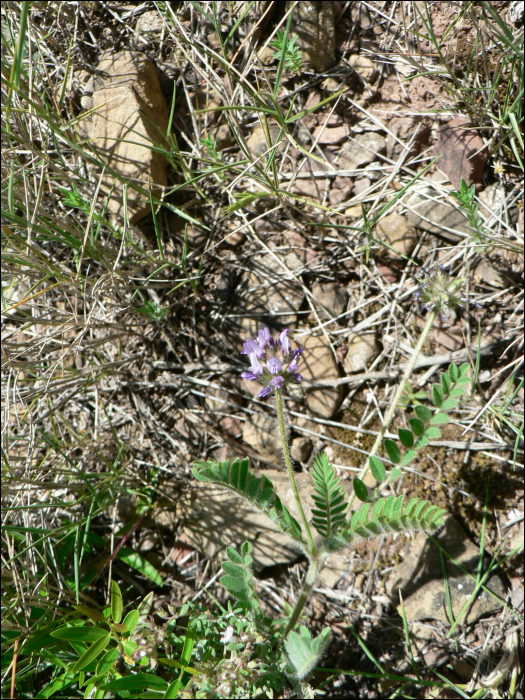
417, 426
464, 369
464, 381
453, 372
392, 451
238, 579
423, 413
406, 437
258, 491
437, 395
360, 490
408, 457
421, 442
432, 433
390, 515
439, 419
445, 382
456, 392
378, 470
329, 498
234, 555
302, 653
448, 404
394, 474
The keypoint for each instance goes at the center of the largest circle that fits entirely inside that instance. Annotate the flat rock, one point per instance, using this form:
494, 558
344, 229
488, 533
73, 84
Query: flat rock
366, 68
262, 433
331, 135
310, 188
420, 578
332, 297
362, 350
463, 154
363, 149
488, 273
214, 519
318, 365
438, 217
395, 230
130, 108
314, 24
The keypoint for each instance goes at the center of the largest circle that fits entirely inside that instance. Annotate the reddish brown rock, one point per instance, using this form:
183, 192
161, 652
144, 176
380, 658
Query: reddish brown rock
462, 152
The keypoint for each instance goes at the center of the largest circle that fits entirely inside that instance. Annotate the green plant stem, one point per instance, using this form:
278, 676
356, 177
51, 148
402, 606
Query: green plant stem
287, 459
406, 376
310, 579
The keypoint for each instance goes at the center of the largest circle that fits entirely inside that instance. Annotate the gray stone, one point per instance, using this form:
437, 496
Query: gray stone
301, 448
313, 23
262, 433
440, 216
319, 365
362, 350
395, 230
363, 149
131, 114
420, 578
332, 297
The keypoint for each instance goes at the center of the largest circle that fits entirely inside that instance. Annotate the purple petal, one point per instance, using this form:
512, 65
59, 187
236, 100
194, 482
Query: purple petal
277, 382
263, 337
297, 351
274, 365
250, 346
249, 375
298, 377
264, 392
293, 366
284, 341
255, 366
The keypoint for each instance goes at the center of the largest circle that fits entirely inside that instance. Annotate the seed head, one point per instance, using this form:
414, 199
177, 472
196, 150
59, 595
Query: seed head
437, 289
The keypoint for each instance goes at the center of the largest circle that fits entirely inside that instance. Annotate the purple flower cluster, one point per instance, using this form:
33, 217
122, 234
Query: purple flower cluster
271, 364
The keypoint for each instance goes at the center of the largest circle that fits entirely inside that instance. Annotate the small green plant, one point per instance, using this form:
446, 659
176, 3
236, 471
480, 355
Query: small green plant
292, 53
274, 365
210, 146
469, 208
152, 310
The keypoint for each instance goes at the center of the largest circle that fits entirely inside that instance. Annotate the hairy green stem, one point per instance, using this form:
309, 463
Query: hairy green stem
287, 459
311, 577
406, 376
